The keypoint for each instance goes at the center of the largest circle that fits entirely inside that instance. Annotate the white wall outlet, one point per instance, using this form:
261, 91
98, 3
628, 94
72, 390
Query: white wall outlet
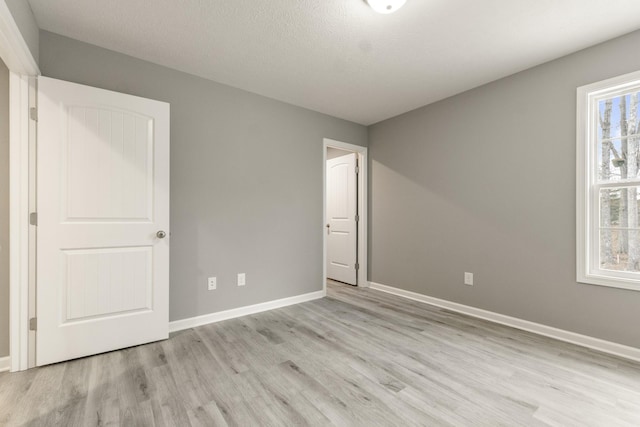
212, 283
242, 279
468, 278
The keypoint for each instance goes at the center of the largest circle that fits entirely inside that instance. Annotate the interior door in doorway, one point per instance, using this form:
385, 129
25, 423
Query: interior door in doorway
103, 221
342, 208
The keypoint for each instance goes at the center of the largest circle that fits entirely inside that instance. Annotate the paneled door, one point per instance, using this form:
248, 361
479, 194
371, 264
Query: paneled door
342, 207
103, 221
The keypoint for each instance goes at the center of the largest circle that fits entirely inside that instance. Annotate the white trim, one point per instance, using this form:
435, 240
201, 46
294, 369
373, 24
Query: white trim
18, 220
363, 197
31, 291
5, 363
15, 53
13, 49
192, 322
608, 347
587, 186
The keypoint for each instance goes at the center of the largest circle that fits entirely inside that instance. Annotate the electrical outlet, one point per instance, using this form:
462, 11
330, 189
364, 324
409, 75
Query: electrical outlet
468, 278
242, 279
211, 283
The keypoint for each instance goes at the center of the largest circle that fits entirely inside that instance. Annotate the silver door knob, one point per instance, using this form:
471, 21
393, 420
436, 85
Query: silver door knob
161, 234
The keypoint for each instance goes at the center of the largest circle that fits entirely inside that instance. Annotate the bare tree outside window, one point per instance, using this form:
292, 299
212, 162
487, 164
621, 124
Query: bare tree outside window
618, 149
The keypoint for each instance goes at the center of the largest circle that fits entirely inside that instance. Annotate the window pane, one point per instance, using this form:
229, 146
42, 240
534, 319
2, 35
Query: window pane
615, 166
614, 114
617, 152
620, 250
620, 207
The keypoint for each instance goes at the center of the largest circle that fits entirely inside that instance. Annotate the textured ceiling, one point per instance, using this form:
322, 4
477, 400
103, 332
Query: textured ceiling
338, 56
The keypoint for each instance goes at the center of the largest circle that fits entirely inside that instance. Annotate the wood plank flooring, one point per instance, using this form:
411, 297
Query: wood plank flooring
356, 358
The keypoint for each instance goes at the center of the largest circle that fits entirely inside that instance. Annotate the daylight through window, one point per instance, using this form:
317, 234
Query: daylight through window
609, 182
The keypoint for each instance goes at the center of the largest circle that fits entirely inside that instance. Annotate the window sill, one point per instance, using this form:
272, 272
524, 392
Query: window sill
611, 282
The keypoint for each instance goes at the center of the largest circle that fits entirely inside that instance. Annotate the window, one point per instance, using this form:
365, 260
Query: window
608, 183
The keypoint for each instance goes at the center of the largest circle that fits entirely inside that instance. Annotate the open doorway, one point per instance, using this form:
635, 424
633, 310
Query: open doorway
345, 205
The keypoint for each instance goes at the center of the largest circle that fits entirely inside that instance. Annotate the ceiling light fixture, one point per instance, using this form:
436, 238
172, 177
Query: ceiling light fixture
386, 6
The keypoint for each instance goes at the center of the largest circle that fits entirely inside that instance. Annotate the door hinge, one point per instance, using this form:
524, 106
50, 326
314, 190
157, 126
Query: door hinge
357, 266
33, 218
33, 324
357, 170
33, 114
357, 218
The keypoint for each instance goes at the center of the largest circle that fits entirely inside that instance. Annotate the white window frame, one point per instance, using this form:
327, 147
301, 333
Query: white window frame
588, 188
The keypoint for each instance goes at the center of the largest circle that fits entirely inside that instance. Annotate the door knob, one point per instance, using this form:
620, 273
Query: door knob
161, 234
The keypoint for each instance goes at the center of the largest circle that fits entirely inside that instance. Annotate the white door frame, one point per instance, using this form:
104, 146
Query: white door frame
18, 58
362, 152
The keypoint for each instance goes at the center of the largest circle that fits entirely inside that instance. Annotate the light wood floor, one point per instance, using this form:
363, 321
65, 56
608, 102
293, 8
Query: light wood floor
356, 358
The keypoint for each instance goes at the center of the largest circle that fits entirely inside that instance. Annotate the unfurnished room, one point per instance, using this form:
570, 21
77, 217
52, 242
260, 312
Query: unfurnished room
320, 213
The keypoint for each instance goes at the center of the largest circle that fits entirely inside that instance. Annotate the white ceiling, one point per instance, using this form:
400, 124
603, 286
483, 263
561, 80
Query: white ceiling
338, 56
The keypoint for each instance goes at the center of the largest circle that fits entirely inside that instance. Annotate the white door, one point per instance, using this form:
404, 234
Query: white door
342, 207
103, 206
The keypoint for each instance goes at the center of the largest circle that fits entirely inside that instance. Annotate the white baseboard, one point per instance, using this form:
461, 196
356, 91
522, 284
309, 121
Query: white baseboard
5, 363
192, 322
609, 347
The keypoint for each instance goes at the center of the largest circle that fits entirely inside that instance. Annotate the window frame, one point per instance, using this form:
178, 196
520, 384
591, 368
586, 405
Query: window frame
588, 187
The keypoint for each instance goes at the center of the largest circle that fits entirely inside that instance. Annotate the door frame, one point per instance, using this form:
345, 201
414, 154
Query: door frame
362, 155
23, 68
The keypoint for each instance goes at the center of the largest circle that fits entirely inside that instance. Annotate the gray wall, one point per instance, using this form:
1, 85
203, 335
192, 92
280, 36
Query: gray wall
246, 178
4, 210
26, 23
439, 204
485, 182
